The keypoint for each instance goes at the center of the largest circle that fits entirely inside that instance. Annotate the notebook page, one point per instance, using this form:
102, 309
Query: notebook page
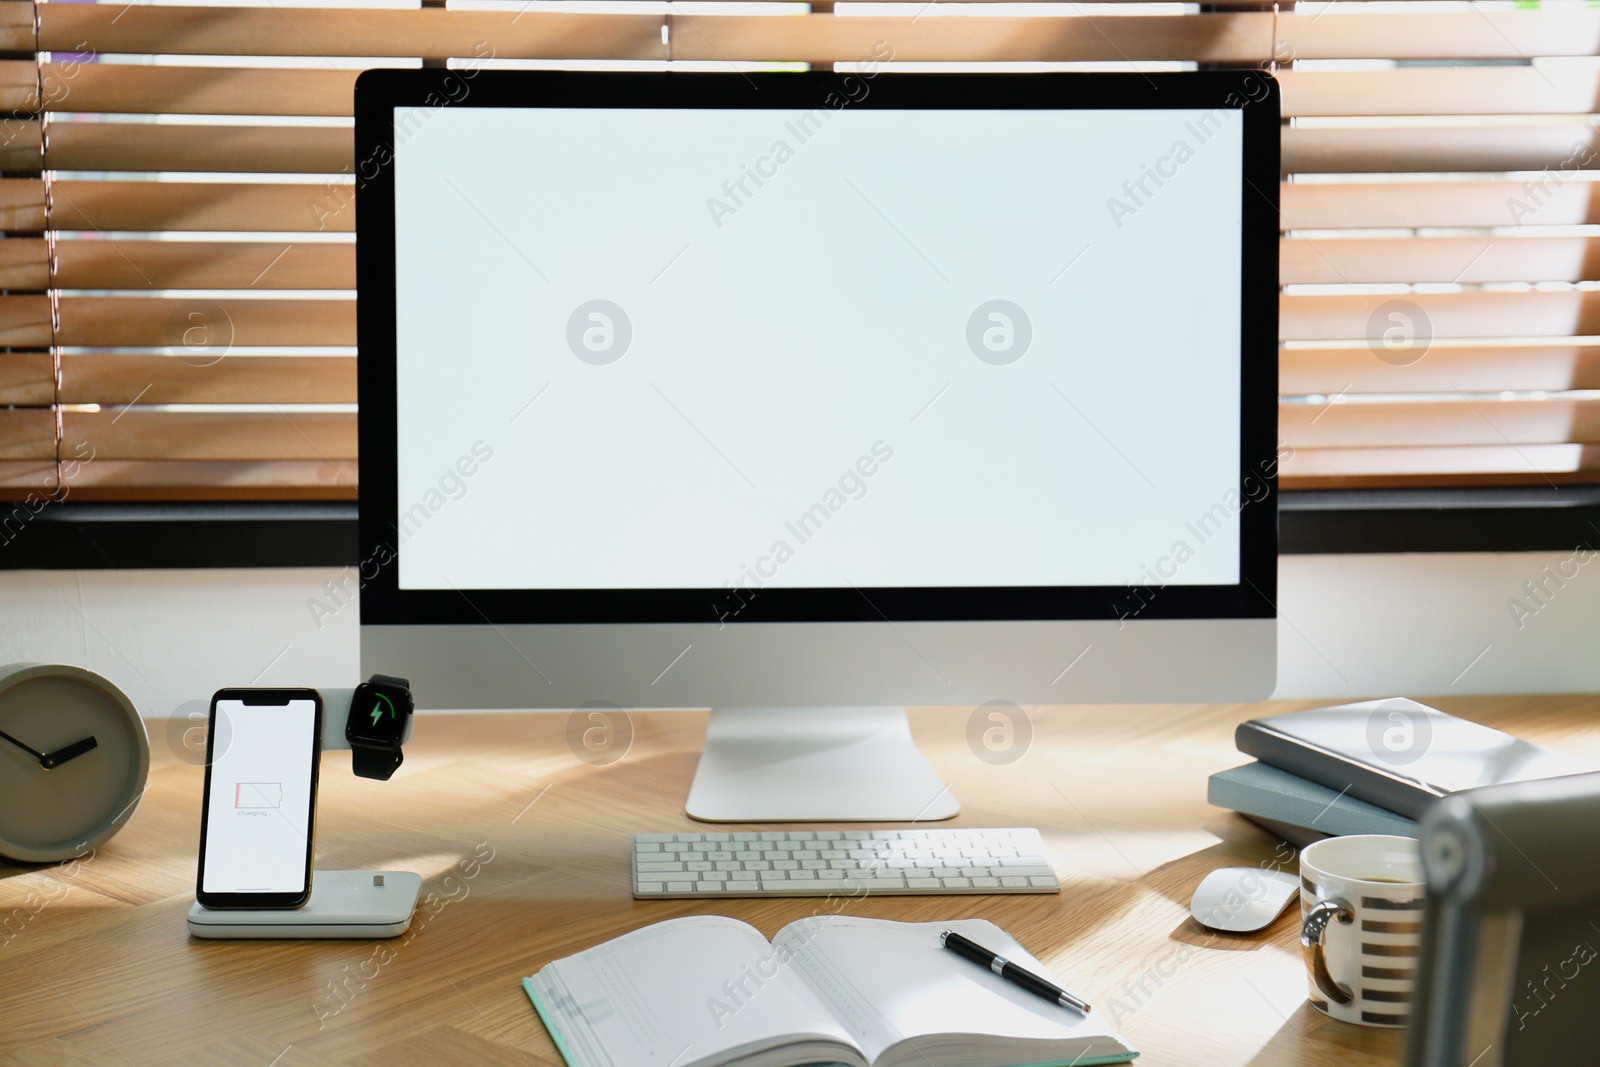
903, 984
679, 992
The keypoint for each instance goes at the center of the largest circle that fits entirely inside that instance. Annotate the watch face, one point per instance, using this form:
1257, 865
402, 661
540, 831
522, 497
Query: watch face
378, 714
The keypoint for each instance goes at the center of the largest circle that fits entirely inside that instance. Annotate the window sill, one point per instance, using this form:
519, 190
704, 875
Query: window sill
88, 536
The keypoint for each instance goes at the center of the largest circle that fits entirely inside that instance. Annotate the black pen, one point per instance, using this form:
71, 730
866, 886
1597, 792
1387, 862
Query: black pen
975, 952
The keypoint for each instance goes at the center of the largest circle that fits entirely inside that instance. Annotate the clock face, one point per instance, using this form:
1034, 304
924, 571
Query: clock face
73, 762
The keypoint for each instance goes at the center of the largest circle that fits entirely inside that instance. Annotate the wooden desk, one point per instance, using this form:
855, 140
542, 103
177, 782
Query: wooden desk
525, 851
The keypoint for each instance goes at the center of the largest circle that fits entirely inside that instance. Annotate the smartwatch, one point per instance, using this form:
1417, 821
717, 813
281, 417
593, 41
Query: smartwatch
380, 713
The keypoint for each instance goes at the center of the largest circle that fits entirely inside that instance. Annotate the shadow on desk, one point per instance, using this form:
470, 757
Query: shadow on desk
1311, 1038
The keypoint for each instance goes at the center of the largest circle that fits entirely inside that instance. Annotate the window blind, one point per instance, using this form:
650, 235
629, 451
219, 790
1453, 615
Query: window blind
176, 304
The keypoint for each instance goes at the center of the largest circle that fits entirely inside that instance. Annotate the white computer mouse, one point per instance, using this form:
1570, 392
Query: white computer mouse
1240, 900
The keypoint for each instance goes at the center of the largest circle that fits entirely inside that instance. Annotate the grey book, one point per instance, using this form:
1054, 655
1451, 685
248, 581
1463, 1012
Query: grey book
1272, 796
1298, 836
1398, 754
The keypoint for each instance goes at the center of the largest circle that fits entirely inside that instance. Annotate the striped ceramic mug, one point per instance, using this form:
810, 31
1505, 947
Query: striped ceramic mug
1361, 924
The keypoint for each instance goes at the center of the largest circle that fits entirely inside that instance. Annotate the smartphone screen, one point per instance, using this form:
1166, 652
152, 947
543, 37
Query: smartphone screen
256, 824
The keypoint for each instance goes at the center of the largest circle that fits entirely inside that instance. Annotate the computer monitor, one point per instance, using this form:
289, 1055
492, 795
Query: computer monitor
806, 397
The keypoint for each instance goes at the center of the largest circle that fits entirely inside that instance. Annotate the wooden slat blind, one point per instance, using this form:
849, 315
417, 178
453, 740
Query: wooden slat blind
176, 277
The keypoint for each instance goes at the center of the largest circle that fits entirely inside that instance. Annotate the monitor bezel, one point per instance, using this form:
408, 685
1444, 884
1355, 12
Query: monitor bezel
379, 92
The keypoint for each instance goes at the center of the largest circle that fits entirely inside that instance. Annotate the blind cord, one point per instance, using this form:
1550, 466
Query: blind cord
1272, 58
51, 262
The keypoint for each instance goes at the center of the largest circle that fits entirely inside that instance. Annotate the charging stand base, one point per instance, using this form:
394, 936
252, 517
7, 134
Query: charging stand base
343, 904
815, 765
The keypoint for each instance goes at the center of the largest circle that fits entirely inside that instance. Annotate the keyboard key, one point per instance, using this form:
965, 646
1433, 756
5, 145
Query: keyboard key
647, 887
653, 837
654, 868
1042, 883
680, 887
1013, 883
922, 883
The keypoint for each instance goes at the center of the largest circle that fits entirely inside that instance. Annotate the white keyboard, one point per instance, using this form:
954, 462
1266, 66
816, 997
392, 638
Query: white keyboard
814, 863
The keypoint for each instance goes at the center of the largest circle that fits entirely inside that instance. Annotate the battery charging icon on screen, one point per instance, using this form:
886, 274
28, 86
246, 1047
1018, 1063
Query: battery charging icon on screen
258, 795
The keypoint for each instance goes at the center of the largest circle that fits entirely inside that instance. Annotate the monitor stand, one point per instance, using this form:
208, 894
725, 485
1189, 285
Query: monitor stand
822, 764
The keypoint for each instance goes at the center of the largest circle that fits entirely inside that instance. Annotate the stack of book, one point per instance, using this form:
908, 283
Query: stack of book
1369, 768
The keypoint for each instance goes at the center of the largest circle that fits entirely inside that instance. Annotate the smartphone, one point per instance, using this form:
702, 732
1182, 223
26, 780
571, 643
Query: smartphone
259, 815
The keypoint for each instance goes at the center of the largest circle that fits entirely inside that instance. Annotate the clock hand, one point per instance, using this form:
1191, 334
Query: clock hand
40, 756
55, 759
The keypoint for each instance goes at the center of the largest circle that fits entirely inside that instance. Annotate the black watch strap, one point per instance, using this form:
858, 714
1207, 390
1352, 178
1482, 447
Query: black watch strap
378, 763
374, 763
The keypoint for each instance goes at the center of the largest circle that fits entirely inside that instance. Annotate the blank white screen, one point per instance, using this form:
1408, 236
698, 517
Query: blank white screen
781, 332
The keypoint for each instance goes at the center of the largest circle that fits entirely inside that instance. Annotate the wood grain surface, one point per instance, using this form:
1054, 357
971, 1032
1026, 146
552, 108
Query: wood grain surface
523, 849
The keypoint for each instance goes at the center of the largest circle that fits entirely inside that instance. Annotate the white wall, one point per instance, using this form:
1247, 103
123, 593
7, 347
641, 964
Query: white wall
1436, 624
169, 636
1350, 626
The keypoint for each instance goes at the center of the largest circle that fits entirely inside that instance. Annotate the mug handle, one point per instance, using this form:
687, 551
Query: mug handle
1312, 933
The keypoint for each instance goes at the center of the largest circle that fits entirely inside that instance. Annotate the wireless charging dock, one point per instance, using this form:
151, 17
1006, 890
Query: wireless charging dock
350, 904
343, 904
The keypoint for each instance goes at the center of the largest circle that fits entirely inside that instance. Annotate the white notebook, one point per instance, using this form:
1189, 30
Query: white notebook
706, 991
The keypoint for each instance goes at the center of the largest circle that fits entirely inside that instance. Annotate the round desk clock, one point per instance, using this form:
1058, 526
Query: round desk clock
73, 761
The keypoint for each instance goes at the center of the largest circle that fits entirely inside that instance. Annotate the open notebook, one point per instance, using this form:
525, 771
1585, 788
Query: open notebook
706, 991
